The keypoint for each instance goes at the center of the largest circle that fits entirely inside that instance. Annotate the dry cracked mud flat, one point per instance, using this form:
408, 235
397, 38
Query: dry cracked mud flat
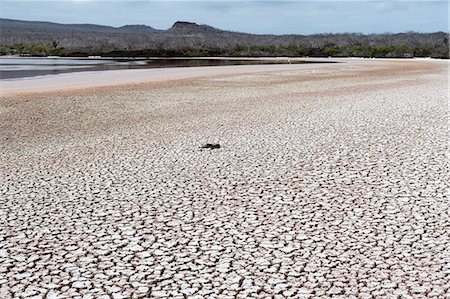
329, 183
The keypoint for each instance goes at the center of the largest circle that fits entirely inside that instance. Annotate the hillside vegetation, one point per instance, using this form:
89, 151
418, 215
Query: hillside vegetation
190, 39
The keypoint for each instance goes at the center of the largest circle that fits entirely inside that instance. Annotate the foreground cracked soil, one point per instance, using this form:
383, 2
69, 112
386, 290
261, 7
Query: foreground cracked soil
328, 183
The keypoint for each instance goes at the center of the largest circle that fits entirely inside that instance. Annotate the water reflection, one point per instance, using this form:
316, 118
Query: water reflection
13, 67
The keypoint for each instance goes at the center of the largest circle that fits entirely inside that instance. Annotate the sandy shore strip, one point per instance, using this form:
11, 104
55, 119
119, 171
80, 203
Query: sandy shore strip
77, 80
331, 181
86, 79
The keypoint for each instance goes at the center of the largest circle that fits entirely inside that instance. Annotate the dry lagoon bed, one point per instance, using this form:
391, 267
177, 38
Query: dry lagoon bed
331, 181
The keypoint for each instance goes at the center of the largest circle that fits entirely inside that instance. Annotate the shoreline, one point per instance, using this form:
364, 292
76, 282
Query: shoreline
112, 78
93, 79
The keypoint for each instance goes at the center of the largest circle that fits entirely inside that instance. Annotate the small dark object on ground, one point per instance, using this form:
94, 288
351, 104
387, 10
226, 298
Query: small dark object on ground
211, 145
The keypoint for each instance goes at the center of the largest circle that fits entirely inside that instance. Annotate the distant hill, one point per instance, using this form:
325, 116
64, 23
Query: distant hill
191, 39
193, 28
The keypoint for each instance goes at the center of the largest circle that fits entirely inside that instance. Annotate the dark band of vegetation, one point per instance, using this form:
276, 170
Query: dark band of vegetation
238, 51
189, 39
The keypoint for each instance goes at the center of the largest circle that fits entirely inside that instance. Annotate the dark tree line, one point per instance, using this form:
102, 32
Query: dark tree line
189, 39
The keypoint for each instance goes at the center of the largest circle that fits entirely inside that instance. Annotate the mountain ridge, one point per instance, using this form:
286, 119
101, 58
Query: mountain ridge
192, 28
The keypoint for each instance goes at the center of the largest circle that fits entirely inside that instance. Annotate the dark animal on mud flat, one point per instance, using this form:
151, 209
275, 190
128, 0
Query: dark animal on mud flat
211, 145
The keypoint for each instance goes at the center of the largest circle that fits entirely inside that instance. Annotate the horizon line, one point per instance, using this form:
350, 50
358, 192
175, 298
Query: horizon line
226, 30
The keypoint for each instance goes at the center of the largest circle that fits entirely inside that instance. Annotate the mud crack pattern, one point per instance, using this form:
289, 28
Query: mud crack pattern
328, 184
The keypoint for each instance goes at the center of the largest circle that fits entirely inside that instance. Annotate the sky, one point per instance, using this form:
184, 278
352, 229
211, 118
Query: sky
260, 17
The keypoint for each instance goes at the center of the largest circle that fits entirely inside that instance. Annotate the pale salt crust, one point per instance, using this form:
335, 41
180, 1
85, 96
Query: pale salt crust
331, 181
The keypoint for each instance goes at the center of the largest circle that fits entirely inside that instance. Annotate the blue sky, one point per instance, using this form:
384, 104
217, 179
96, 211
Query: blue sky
275, 17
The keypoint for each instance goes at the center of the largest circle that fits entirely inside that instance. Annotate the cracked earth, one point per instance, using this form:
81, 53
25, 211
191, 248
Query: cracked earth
329, 182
